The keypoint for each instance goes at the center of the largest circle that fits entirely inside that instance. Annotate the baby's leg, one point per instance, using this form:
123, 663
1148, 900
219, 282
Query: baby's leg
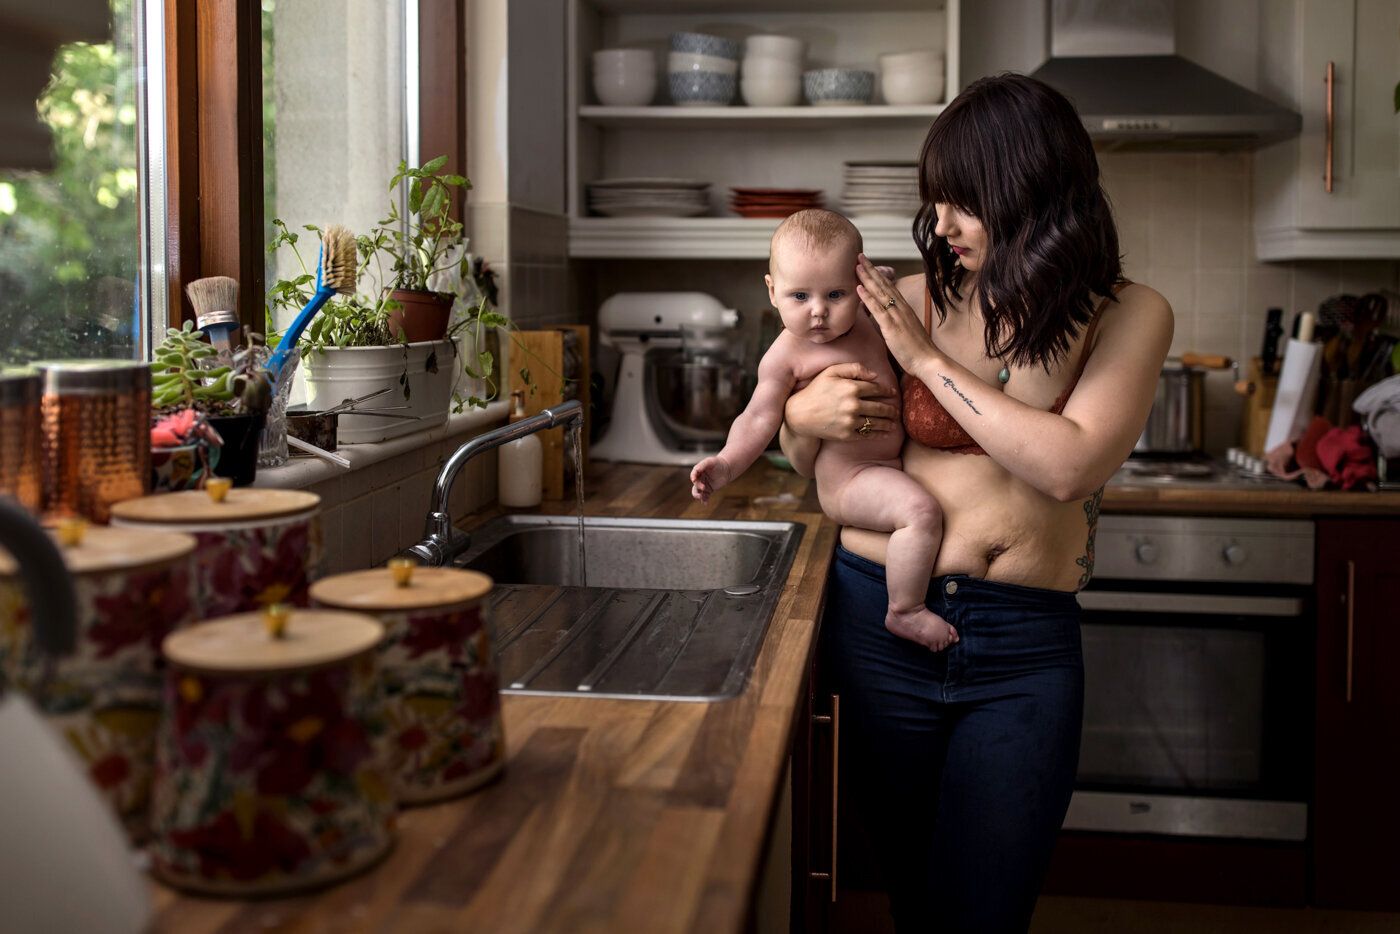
887, 499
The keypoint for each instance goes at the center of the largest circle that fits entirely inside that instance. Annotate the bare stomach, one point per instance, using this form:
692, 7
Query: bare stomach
995, 526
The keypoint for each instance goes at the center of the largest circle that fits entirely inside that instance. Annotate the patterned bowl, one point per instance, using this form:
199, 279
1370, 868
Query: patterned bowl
692, 88
838, 86
702, 44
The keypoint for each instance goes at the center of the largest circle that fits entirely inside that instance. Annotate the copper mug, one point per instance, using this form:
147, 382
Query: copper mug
19, 426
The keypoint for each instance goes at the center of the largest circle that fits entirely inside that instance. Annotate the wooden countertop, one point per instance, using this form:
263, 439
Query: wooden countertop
611, 815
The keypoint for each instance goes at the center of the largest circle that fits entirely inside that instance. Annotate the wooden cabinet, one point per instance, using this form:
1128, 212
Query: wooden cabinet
737, 145
1355, 822
1349, 132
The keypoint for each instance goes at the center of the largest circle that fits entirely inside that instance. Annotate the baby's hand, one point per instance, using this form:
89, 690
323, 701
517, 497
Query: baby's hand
709, 475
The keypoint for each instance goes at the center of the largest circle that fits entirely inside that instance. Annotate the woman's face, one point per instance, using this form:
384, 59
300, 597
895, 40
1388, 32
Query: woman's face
966, 236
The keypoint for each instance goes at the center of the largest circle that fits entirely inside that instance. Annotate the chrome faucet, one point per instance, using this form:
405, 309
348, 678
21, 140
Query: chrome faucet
442, 542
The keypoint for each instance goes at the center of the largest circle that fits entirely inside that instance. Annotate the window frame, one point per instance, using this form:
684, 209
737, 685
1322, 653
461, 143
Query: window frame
213, 91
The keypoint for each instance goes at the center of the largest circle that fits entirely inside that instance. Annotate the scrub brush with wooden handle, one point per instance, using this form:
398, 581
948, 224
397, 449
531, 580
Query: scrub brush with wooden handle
335, 272
215, 301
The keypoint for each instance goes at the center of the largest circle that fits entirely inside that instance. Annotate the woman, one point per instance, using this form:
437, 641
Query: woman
1029, 370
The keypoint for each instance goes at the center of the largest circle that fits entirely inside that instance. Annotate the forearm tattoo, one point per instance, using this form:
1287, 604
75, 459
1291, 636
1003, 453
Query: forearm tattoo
1091, 514
948, 381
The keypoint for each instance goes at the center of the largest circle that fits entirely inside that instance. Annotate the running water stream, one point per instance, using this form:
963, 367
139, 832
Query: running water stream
574, 440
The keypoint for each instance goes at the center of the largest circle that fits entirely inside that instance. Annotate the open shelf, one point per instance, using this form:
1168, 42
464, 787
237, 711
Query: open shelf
886, 238
669, 116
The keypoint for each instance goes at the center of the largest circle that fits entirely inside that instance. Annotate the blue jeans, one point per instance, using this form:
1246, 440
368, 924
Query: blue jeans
963, 760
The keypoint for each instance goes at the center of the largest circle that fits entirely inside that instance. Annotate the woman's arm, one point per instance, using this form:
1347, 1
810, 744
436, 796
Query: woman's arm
1066, 456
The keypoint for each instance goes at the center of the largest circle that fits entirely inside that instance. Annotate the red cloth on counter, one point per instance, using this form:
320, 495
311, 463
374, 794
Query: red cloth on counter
1346, 456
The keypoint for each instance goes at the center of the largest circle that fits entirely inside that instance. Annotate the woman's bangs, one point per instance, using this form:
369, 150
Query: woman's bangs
951, 165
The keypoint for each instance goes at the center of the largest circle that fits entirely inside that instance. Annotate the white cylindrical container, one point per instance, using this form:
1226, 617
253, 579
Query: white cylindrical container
520, 467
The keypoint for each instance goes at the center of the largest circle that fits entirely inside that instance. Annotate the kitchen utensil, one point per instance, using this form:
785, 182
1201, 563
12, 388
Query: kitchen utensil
256, 547
95, 435
349, 404
1297, 390
335, 272
645, 327
1175, 425
1273, 330
131, 586
439, 673
20, 469
67, 865
301, 445
268, 777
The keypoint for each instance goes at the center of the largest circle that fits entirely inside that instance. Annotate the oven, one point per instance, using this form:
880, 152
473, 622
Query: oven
1198, 668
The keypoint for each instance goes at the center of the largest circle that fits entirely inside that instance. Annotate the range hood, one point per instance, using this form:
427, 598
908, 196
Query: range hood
1116, 60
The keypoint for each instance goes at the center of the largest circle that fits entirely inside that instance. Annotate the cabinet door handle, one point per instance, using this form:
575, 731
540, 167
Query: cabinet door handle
1331, 121
835, 721
1351, 621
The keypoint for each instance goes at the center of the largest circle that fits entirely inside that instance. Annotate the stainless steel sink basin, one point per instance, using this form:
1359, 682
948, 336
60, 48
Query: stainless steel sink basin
673, 608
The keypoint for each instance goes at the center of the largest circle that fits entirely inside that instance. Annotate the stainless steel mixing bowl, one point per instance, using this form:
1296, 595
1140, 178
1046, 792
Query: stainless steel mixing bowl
697, 396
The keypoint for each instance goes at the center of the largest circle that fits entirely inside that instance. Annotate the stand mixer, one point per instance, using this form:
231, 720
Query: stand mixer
678, 386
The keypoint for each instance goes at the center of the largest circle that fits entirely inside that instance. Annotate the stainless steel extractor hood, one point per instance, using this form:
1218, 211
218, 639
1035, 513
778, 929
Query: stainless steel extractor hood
1116, 60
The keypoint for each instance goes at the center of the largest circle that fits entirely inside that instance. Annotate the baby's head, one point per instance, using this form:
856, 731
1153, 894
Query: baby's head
812, 274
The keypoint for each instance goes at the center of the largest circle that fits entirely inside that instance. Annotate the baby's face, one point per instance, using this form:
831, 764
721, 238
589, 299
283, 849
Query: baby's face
814, 290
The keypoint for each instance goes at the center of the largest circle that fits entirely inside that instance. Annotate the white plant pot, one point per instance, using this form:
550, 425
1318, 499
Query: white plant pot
342, 373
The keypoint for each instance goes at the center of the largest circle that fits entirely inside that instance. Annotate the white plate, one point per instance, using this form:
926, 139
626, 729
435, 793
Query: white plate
652, 210
649, 183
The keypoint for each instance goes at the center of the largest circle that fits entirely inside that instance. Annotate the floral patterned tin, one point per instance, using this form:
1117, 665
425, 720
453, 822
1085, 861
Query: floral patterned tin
257, 547
268, 779
441, 683
132, 588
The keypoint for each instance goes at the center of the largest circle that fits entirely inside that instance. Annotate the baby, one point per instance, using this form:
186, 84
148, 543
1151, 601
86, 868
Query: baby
812, 282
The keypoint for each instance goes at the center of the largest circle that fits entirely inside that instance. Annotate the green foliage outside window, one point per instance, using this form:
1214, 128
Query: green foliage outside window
69, 248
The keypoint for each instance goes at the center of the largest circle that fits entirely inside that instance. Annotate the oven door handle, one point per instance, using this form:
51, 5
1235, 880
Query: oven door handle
1217, 604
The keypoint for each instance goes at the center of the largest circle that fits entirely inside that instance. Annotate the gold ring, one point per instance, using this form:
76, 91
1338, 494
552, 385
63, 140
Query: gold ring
865, 429
891, 303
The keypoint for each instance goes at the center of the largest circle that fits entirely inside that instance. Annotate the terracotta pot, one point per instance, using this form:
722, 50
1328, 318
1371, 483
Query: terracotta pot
268, 778
422, 316
132, 588
438, 670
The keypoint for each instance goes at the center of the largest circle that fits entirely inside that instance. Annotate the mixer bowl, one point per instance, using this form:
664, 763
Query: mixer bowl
696, 397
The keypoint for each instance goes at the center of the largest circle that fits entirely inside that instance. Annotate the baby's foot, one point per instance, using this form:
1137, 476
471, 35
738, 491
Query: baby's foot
922, 626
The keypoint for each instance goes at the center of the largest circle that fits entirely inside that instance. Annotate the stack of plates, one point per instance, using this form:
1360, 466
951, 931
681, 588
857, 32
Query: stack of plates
773, 202
873, 189
649, 197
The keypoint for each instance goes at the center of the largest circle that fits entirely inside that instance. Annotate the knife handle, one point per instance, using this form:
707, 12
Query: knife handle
1208, 361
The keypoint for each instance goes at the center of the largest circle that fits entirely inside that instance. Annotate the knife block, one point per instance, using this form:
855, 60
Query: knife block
1259, 391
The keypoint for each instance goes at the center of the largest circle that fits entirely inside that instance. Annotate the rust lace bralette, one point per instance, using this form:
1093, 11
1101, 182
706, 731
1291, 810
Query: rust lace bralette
927, 422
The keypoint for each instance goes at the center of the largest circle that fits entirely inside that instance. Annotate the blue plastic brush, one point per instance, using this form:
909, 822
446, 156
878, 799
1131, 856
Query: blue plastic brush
335, 272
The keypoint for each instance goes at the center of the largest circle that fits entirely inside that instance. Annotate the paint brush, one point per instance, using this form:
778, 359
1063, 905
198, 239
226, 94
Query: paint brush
215, 301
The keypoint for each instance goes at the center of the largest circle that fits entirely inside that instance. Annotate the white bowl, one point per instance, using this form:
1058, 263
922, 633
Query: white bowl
692, 61
624, 59
918, 58
771, 46
909, 88
771, 91
624, 88
760, 66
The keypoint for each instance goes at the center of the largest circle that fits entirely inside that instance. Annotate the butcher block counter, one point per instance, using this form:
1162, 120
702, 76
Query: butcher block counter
629, 815
611, 815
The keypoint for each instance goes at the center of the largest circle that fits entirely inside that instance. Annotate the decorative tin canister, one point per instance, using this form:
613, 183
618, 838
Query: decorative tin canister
19, 426
133, 587
441, 684
95, 429
267, 777
256, 547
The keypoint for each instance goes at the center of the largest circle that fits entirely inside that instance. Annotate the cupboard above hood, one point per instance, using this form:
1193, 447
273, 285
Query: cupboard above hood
1117, 62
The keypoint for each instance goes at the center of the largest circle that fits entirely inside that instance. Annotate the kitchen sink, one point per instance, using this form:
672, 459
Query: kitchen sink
672, 609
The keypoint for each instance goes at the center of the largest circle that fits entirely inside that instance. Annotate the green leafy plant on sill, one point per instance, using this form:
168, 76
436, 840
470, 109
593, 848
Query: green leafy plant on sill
421, 242
179, 380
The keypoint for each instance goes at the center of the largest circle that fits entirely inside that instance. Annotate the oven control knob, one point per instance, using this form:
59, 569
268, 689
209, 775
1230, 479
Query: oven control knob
1146, 553
1235, 555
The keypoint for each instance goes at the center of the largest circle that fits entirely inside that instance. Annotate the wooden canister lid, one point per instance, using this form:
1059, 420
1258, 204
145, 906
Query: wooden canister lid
241, 644
102, 550
197, 507
377, 590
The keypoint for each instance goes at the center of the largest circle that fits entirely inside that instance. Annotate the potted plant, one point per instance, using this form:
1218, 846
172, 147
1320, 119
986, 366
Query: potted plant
229, 405
421, 244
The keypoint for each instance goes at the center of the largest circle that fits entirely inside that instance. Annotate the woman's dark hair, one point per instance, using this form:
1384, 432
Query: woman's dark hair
1011, 151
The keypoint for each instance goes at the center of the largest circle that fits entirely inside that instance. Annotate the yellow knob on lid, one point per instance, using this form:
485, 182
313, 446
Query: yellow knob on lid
275, 617
401, 570
71, 530
218, 488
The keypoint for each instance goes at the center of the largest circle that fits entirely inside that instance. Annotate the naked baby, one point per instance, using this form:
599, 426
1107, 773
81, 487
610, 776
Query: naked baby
812, 282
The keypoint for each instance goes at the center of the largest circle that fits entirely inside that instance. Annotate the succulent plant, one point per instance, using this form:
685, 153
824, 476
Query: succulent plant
179, 378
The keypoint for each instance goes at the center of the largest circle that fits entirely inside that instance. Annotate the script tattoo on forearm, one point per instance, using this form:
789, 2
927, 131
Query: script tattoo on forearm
948, 381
